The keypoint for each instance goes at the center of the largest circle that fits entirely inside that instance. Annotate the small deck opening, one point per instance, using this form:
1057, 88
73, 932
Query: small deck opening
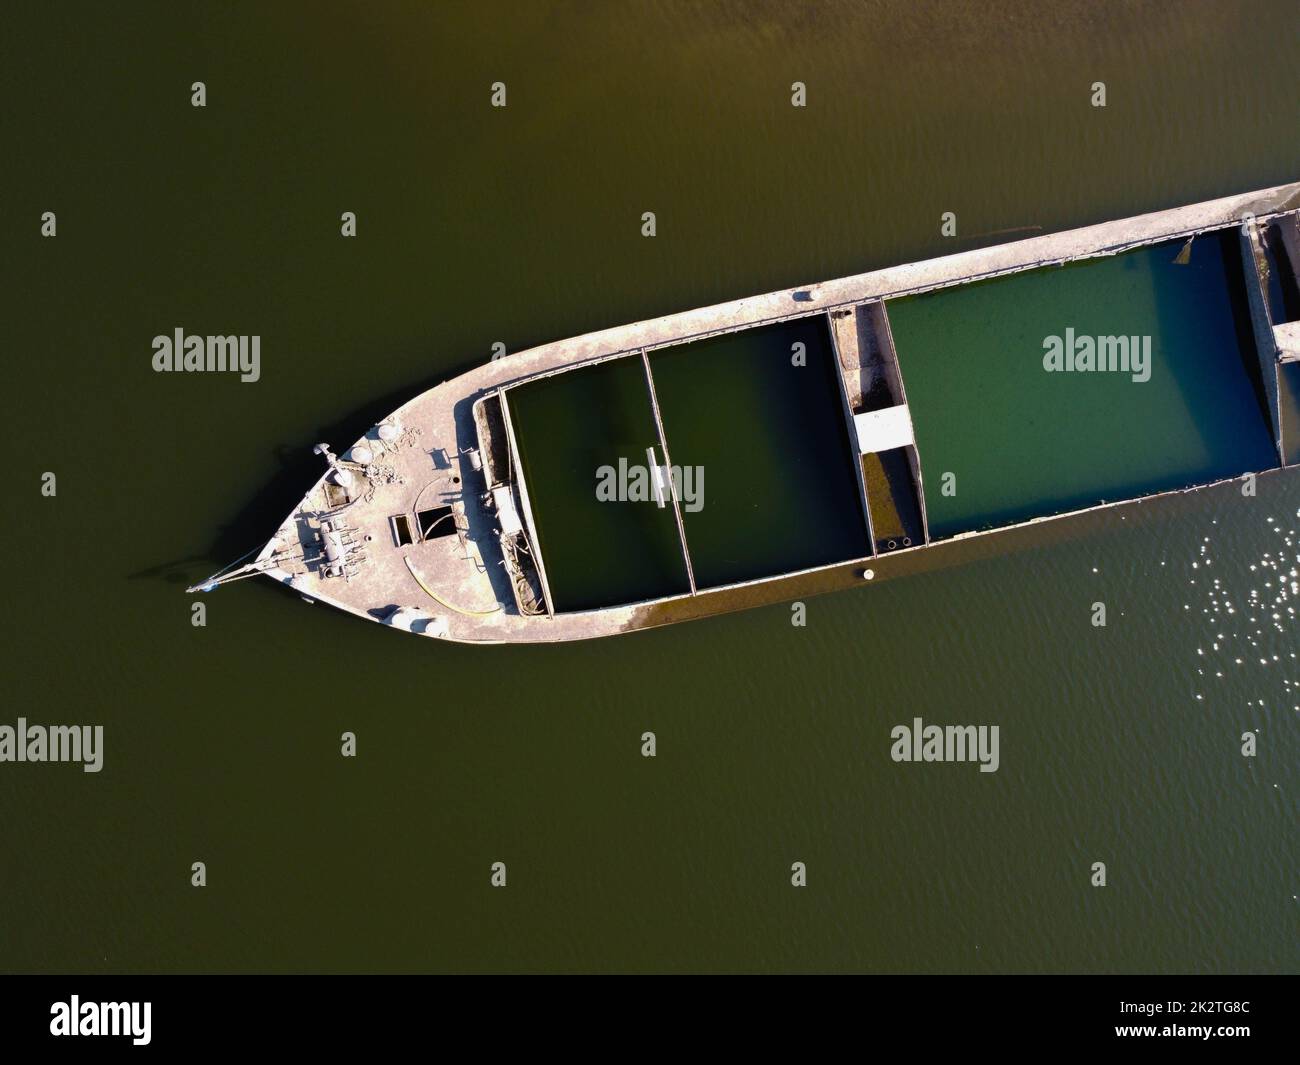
435, 523
401, 526
1281, 245
895, 503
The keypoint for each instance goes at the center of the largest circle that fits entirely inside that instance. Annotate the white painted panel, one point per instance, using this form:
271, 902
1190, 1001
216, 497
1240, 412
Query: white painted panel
883, 430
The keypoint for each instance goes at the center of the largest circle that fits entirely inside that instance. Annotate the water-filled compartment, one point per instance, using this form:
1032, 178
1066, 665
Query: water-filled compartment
1002, 438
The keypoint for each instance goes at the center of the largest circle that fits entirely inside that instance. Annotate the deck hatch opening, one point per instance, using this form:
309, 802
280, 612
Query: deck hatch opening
435, 523
401, 526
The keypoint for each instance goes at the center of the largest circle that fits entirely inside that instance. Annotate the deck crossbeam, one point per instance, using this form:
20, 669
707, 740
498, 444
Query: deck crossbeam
668, 462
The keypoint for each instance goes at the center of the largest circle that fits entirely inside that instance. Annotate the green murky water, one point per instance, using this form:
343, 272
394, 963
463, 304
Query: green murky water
755, 427
571, 427
523, 226
760, 414
1003, 439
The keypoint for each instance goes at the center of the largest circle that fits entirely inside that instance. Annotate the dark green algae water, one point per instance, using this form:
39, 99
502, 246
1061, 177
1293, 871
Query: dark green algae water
1119, 744
1002, 439
753, 422
596, 552
1020, 441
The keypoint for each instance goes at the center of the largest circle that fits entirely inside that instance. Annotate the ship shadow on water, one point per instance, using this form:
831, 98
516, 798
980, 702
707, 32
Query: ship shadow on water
294, 469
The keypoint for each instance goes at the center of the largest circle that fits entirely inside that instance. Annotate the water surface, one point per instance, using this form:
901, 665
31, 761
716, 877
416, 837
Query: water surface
1001, 439
573, 431
760, 413
524, 226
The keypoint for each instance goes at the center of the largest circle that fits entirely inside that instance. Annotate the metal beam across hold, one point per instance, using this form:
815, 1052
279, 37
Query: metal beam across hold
668, 462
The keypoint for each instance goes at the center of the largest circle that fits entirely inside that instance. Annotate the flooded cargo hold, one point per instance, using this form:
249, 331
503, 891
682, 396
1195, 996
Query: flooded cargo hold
1065, 387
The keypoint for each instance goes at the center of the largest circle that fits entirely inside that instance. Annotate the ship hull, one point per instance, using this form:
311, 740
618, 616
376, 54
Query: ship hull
426, 524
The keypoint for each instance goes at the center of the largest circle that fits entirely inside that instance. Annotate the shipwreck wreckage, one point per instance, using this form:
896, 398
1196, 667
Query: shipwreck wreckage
430, 522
